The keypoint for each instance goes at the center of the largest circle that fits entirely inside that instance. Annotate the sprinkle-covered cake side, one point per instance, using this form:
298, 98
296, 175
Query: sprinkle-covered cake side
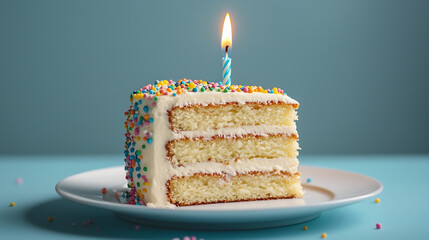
138, 140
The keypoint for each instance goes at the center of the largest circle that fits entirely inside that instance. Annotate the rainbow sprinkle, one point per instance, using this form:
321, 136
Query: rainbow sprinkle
172, 88
187, 238
378, 225
19, 181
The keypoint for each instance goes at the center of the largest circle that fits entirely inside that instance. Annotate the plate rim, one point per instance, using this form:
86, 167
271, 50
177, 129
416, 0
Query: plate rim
116, 207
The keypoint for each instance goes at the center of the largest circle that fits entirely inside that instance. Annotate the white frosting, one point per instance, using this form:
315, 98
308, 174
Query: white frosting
205, 98
234, 131
160, 169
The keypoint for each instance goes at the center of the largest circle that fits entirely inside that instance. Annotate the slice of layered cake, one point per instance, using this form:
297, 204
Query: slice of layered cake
193, 142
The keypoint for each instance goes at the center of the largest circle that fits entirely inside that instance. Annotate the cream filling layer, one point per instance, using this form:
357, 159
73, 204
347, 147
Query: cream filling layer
233, 168
263, 130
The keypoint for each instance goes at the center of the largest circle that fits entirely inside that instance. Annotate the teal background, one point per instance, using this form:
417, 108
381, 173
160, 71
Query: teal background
360, 69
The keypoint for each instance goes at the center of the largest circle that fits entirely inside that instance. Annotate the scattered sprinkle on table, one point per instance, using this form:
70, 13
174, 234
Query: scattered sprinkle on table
19, 181
323, 235
378, 225
305, 228
309, 180
12, 204
50, 219
377, 200
104, 190
187, 238
84, 224
137, 227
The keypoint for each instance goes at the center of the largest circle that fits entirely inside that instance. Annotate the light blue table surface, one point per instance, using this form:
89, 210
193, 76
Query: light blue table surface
403, 210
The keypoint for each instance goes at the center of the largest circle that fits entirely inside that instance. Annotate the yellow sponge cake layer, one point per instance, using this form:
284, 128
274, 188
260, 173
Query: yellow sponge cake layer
215, 188
226, 149
215, 116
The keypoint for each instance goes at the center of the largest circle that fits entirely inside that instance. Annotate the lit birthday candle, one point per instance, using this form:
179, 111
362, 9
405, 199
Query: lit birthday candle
226, 43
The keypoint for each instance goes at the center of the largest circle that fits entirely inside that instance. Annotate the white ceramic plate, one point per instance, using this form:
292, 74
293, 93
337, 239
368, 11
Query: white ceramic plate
328, 189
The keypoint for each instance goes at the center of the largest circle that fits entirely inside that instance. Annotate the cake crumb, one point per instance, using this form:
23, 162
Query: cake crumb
50, 219
12, 204
305, 228
377, 200
324, 235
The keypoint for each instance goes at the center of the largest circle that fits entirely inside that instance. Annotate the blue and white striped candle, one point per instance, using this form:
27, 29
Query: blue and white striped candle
226, 73
226, 43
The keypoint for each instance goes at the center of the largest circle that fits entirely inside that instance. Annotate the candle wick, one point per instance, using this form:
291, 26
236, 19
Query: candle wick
226, 51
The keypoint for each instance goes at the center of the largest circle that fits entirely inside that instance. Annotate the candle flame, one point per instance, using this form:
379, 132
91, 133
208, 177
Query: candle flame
226, 33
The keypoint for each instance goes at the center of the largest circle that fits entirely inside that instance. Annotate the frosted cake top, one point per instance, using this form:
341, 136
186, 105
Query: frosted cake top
172, 88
